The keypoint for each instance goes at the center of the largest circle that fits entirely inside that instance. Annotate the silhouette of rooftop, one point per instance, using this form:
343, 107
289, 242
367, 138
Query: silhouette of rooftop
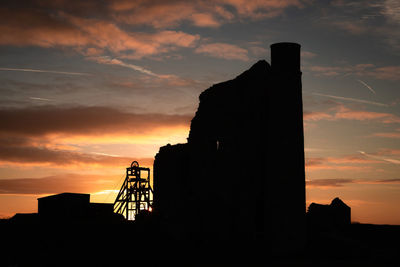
335, 215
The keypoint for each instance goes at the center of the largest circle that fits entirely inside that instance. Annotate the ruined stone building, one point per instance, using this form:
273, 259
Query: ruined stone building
335, 215
241, 173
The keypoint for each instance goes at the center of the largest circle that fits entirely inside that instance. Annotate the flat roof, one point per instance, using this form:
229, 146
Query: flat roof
66, 195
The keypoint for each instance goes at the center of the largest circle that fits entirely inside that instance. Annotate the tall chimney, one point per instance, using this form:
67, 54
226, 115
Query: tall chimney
285, 160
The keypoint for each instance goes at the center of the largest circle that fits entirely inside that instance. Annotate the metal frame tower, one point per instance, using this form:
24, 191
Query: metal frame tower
136, 194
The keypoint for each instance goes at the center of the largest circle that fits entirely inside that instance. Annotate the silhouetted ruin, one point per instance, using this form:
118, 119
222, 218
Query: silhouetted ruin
241, 173
233, 195
333, 216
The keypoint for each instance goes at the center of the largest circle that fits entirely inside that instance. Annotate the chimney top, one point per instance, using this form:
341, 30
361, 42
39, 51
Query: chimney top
285, 57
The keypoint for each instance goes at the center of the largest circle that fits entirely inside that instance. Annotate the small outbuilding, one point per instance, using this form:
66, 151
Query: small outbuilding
337, 214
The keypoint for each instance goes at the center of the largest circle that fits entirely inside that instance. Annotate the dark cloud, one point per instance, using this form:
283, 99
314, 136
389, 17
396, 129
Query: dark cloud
43, 155
21, 151
57, 184
310, 162
32, 26
38, 121
388, 181
27, 135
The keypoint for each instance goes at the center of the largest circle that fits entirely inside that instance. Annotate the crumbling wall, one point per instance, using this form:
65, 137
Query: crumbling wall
243, 165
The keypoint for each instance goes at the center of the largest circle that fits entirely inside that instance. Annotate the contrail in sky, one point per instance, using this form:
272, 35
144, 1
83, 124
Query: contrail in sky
45, 71
353, 99
40, 98
114, 61
394, 161
105, 154
366, 85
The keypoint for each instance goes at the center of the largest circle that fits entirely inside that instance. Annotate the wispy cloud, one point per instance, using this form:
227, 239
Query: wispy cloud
46, 71
394, 134
343, 163
85, 34
161, 14
362, 115
223, 50
352, 99
366, 85
341, 112
316, 116
390, 73
379, 19
340, 182
328, 182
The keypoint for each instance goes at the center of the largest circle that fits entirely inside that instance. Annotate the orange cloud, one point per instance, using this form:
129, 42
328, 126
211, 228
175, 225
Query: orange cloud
345, 113
348, 162
158, 14
389, 152
86, 35
108, 35
205, 20
210, 13
261, 9
222, 50
93, 27
388, 134
316, 116
391, 73
352, 159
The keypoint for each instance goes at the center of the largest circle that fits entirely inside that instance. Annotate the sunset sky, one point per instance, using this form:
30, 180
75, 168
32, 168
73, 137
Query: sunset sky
88, 86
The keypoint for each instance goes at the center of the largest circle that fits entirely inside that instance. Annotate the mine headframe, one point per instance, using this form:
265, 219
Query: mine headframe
136, 194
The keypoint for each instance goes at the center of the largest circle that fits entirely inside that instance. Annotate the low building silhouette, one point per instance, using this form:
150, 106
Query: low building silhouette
74, 207
333, 216
64, 206
241, 173
69, 207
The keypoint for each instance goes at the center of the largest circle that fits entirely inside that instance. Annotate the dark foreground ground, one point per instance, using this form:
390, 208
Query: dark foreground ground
131, 244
